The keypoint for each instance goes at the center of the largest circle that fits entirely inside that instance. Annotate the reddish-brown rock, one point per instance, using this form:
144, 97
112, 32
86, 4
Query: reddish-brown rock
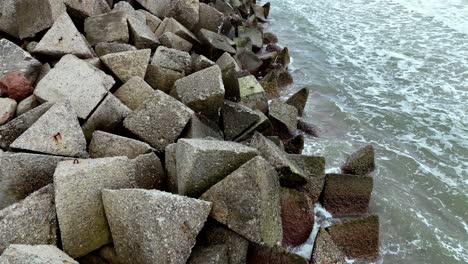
325, 250
297, 216
346, 194
358, 239
16, 86
275, 255
360, 162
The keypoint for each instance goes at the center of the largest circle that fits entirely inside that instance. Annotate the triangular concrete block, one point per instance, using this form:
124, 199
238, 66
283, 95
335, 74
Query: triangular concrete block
63, 38
127, 64
57, 132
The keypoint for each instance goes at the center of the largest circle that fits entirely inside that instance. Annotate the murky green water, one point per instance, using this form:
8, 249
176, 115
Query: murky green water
393, 73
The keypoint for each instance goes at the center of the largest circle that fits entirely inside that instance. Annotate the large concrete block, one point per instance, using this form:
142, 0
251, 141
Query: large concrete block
128, 64
110, 27
28, 254
33, 16
134, 92
173, 59
362, 162
237, 118
15, 59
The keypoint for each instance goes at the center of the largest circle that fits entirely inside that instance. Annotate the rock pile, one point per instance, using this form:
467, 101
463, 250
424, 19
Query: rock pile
151, 131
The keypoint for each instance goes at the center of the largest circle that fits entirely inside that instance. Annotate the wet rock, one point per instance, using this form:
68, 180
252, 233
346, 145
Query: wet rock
288, 172
254, 34
7, 110
209, 255
105, 48
299, 100
229, 69
163, 224
110, 27
210, 18
314, 169
202, 127
270, 85
169, 24
163, 79
31, 221
159, 121
283, 58
107, 116
134, 92
252, 94
347, 195
214, 233
13, 129
294, 145
202, 163
63, 38
309, 129
216, 41
358, 239
83, 9
77, 81
14, 58
109, 145
56, 132
269, 38
173, 41
297, 216
26, 104
128, 64
362, 162
202, 91
325, 251
272, 255
33, 16
151, 20
284, 113
248, 201
8, 22
23, 174
200, 62
27, 254
15, 85
80, 212
248, 61
141, 34
172, 59
237, 119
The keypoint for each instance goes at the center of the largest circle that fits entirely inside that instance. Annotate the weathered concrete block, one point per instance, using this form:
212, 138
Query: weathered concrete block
169, 24
325, 251
163, 224
14, 58
209, 254
83, 9
128, 64
202, 127
289, 173
252, 94
297, 216
203, 163
272, 255
80, 212
64, 38
109, 145
173, 59
34, 16
358, 239
314, 169
283, 113
26, 104
237, 118
159, 8
105, 48
159, 121
216, 41
254, 34
163, 79
210, 18
248, 202
362, 162
263, 124
31, 221
170, 163
13, 129
200, 62
77, 81
28, 254
173, 41
110, 27
230, 71
347, 195
141, 34
23, 173
134, 92
248, 61
151, 20
56, 132
299, 100
8, 22
131, 12
202, 91
186, 12
7, 110
149, 172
